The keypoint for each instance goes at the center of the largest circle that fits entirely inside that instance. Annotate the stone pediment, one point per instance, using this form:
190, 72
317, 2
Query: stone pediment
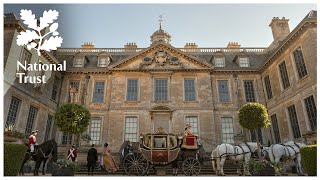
161, 57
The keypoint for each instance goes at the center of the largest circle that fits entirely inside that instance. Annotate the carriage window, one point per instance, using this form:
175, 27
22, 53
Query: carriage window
160, 142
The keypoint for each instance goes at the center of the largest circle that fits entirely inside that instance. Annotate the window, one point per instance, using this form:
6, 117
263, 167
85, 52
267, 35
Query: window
78, 62
31, 117
55, 88
65, 140
294, 121
244, 62
268, 87
48, 128
132, 90
25, 58
253, 136
161, 90
189, 90
73, 91
223, 91
275, 127
193, 121
219, 62
249, 91
227, 130
300, 65
103, 62
98, 94
13, 110
131, 129
95, 131
284, 75
312, 112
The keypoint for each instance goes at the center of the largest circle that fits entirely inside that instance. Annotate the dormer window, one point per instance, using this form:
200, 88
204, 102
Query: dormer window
219, 62
103, 61
78, 61
244, 62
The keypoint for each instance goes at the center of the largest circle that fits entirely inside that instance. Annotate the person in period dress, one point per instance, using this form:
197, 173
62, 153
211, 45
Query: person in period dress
32, 142
72, 153
107, 160
92, 159
187, 131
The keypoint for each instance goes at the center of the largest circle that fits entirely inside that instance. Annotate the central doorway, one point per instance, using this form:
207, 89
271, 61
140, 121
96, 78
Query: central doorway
161, 117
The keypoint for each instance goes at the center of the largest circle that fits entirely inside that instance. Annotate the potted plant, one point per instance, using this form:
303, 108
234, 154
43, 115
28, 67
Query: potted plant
13, 136
261, 168
64, 168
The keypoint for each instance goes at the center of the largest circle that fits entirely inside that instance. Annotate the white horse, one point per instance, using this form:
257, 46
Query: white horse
287, 151
235, 153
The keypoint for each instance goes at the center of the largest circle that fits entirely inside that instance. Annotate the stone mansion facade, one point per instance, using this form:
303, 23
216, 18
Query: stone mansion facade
131, 91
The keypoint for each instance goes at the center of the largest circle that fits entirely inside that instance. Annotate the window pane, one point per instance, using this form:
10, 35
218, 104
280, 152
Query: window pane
31, 117
300, 65
13, 110
131, 129
227, 130
312, 112
268, 87
276, 132
223, 91
98, 94
189, 90
294, 122
48, 128
95, 130
284, 75
244, 62
55, 88
132, 90
249, 91
161, 90
193, 121
219, 62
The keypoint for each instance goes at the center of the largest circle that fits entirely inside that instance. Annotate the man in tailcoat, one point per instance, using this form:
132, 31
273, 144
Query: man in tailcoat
92, 159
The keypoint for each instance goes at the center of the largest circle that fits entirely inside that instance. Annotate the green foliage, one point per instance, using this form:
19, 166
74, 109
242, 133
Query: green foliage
309, 159
66, 164
253, 116
13, 158
72, 118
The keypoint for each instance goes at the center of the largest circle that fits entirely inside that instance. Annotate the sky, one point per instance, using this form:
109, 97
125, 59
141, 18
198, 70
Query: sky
207, 25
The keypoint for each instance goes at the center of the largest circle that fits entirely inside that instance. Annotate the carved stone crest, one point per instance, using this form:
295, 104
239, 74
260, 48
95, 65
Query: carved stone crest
161, 57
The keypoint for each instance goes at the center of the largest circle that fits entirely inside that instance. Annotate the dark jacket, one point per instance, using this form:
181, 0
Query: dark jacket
92, 157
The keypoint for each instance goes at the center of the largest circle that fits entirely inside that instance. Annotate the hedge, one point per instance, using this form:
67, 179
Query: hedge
13, 158
309, 159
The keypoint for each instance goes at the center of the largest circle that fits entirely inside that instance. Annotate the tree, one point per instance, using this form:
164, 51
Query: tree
253, 116
72, 119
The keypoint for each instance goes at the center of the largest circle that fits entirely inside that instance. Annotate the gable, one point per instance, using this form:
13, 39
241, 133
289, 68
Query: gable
161, 56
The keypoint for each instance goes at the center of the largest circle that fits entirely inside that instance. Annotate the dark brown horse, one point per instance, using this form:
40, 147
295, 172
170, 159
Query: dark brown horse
44, 151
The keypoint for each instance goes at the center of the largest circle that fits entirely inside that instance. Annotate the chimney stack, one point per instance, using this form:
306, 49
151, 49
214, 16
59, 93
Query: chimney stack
233, 45
87, 45
280, 28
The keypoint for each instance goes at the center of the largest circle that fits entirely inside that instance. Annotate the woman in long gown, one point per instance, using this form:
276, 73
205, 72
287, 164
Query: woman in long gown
108, 162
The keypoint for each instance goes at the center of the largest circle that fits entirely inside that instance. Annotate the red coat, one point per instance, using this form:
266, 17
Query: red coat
74, 154
32, 140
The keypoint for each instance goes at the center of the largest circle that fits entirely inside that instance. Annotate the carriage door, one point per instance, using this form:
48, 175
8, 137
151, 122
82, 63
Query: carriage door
161, 120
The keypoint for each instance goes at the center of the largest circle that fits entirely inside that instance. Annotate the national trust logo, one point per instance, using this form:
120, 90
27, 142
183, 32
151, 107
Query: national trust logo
36, 34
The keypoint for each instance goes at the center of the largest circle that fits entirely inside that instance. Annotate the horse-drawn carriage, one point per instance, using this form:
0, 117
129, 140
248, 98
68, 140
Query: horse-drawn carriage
162, 149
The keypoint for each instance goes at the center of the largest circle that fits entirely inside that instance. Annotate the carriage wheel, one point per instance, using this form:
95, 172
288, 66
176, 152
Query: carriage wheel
191, 166
135, 164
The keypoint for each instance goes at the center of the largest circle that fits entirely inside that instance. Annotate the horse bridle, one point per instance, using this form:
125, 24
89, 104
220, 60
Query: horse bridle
44, 155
